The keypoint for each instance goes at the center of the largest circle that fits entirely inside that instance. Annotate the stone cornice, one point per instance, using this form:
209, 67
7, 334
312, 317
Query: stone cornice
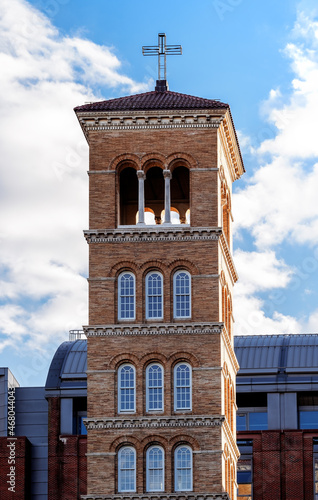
146, 120
230, 350
185, 495
233, 147
153, 422
152, 233
231, 440
228, 258
153, 329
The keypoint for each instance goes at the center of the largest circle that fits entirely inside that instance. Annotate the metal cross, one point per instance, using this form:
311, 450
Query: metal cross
161, 51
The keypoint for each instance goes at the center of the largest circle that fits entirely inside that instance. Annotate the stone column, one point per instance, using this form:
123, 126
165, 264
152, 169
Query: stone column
167, 176
141, 196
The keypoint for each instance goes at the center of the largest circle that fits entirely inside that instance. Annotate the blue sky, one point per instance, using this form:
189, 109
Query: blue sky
260, 57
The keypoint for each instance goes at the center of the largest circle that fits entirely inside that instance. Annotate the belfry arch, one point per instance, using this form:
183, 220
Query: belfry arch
180, 192
145, 195
154, 192
128, 195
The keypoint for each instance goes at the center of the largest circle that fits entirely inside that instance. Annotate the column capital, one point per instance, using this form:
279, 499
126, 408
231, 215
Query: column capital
140, 174
167, 174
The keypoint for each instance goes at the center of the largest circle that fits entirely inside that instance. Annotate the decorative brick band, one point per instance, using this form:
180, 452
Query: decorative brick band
153, 233
155, 125
162, 329
159, 496
99, 121
153, 422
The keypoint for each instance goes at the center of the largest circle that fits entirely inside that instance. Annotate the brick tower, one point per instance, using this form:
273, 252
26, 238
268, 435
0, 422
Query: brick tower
161, 364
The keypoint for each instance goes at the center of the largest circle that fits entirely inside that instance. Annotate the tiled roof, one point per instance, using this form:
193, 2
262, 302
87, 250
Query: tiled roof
154, 100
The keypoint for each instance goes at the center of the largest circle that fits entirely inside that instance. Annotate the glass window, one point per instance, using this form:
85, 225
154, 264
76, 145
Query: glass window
182, 387
241, 421
154, 296
155, 469
126, 296
258, 421
154, 382
81, 429
308, 419
126, 388
127, 469
251, 420
245, 470
183, 468
182, 294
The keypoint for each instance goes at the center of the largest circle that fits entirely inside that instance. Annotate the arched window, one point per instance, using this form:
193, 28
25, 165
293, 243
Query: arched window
154, 385
182, 294
154, 296
183, 468
126, 389
182, 387
155, 468
127, 469
126, 296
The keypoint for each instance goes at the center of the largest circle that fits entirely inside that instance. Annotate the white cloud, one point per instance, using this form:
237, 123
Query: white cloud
278, 205
254, 316
259, 272
43, 180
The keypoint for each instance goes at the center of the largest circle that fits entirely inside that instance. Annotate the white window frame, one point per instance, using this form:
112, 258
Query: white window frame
163, 468
120, 388
175, 386
158, 387
120, 296
175, 315
120, 473
182, 468
147, 296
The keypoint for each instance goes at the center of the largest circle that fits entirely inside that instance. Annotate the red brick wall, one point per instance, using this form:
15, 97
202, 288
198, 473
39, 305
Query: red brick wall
67, 460
282, 464
14, 452
197, 150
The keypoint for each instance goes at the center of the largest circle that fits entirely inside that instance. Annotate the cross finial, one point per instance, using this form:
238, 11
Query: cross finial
161, 51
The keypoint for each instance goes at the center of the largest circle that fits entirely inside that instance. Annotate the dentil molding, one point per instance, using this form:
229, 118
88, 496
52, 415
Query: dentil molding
153, 422
153, 329
159, 496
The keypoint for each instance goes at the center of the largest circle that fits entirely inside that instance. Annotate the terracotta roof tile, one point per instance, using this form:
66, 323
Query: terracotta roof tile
154, 100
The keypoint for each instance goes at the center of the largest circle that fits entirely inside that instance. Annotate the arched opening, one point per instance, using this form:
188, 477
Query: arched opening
174, 216
149, 217
188, 216
180, 193
128, 194
154, 192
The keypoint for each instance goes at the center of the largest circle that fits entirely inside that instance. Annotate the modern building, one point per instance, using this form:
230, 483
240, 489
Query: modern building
277, 416
23, 440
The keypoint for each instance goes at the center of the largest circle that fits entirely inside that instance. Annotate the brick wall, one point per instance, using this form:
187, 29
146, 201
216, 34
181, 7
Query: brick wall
15, 459
67, 460
197, 150
282, 464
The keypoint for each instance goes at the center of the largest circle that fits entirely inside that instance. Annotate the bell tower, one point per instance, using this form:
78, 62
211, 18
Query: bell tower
161, 364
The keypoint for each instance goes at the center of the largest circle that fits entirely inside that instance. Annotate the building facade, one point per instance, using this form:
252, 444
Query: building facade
277, 417
160, 360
